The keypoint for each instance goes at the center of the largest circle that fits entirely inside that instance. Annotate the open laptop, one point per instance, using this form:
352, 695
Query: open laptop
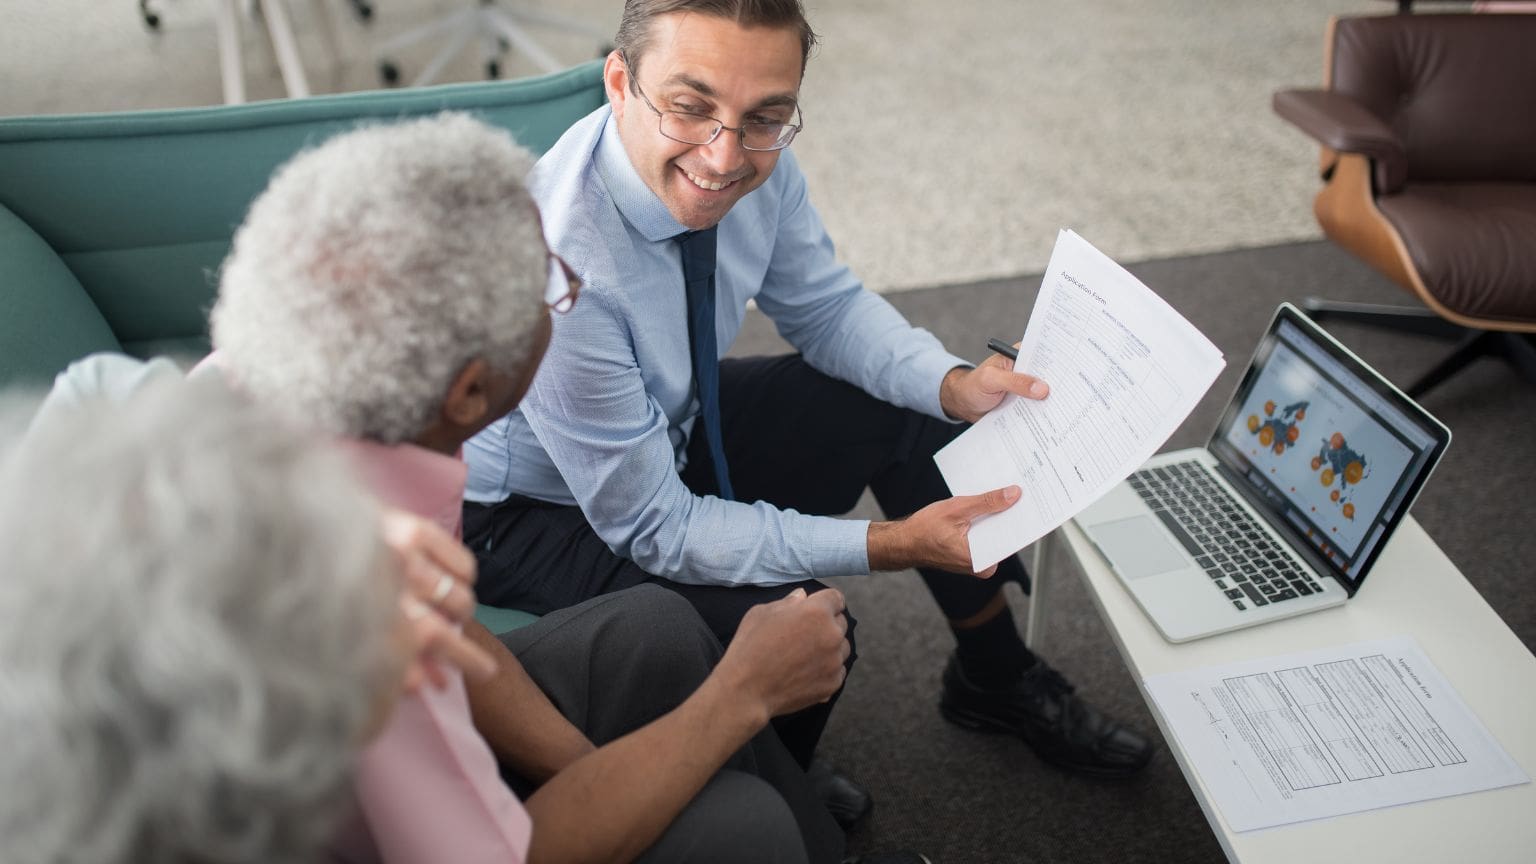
1315, 462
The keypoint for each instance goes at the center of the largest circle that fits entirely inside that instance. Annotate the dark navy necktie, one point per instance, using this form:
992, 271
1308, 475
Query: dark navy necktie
698, 252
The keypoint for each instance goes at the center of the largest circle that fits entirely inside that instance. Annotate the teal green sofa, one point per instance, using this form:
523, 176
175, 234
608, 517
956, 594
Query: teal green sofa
113, 226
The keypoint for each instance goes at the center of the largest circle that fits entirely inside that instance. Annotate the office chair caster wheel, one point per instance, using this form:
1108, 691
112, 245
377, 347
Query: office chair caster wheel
389, 72
151, 20
363, 8
492, 69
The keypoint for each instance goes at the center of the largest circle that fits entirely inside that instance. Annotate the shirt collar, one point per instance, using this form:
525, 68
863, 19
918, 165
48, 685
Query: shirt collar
405, 476
636, 202
412, 478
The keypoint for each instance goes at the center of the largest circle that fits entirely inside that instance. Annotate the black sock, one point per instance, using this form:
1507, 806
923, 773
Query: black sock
992, 652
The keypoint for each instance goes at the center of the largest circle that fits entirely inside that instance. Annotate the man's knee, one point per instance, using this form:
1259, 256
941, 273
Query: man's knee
642, 620
663, 628
656, 637
853, 624
617, 662
736, 817
722, 607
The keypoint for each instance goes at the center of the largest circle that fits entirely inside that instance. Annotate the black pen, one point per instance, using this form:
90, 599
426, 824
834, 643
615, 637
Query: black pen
1004, 349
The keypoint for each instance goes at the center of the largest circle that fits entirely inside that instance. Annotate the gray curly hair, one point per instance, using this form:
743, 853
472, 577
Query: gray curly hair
376, 266
197, 618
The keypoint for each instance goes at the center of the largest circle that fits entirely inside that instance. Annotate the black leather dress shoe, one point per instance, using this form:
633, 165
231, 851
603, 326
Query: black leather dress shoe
1040, 708
848, 802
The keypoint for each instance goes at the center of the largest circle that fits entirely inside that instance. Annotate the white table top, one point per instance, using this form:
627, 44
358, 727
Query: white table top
1413, 590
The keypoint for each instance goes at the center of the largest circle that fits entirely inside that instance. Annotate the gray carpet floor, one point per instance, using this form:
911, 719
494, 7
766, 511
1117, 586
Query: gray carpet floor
961, 797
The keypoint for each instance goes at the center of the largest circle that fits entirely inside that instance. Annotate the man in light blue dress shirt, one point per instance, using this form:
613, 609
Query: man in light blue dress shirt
603, 479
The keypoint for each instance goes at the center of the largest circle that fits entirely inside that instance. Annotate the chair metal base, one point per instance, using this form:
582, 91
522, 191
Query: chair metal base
1472, 344
495, 28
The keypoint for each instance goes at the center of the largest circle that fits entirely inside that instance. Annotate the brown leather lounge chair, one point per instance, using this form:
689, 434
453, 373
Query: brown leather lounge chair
1428, 127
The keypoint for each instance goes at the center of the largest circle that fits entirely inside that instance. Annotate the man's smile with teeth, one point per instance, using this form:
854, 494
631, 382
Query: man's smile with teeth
711, 185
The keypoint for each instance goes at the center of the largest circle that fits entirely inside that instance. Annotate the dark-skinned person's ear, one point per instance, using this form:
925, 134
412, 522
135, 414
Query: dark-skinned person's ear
468, 398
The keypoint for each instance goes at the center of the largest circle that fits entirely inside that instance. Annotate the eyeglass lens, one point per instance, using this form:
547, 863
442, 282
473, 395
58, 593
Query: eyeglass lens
699, 129
563, 286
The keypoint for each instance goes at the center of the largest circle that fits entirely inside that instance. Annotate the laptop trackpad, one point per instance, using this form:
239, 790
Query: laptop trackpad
1139, 547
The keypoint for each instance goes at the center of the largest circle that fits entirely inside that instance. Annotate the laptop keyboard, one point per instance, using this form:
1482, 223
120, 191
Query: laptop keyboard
1225, 539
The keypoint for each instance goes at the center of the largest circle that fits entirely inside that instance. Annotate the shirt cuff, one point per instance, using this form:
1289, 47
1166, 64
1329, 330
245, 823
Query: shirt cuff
931, 371
842, 547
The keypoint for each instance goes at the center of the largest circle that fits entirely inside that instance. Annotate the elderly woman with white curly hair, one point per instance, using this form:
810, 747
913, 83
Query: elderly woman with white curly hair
199, 627
392, 287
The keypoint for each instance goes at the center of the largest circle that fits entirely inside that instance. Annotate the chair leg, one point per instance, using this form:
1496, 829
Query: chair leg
455, 44
1477, 344
519, 38
1406, 319
458, 27
1518, 349
231, 67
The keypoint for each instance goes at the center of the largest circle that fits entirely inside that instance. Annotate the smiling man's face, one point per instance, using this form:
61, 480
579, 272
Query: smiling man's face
702, 64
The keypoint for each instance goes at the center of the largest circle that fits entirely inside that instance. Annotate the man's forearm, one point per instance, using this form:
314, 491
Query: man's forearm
515, 717
612, 804
888, 547
936, 536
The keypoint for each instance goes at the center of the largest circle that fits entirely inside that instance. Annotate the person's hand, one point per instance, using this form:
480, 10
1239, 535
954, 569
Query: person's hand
789, 654
437, 596
938, 535
968, 394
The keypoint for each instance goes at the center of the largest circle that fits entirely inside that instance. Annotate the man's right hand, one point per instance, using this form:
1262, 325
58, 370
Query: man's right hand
938, 535
789, 654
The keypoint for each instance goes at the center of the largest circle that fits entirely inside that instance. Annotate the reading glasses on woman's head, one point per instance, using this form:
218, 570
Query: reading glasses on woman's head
686, 127
563, 287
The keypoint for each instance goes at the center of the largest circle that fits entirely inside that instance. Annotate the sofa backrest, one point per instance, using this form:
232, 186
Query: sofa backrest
1459, 90
113, 226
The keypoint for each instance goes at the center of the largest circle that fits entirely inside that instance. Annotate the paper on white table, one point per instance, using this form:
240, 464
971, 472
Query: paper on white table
1327, 732
1125, 369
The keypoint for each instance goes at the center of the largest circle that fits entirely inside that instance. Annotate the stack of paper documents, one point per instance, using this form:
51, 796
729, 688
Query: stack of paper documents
1329, 731
1124, 368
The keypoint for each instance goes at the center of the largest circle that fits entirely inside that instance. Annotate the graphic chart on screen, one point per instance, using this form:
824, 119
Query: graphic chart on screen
1334, 462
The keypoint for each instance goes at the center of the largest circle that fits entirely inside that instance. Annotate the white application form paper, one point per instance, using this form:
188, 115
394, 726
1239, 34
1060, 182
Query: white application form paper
1125, 369
1328, 732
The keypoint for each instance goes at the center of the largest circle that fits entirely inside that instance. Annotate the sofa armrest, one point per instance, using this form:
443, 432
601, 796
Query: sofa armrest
48, 319
1340, 123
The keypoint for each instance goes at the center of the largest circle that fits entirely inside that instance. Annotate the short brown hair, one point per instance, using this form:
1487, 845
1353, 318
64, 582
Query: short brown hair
634, 34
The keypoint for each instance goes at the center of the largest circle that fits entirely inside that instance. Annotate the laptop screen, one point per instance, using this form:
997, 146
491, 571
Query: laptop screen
1335, 452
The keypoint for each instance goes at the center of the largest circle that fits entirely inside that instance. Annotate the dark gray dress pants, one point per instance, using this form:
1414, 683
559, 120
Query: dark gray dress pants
618, 661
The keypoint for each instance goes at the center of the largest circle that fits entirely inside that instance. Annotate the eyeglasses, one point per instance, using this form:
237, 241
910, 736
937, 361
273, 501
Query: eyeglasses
563, 287
700, 129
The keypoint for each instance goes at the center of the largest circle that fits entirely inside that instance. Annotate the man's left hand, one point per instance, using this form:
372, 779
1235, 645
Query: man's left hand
968, 394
